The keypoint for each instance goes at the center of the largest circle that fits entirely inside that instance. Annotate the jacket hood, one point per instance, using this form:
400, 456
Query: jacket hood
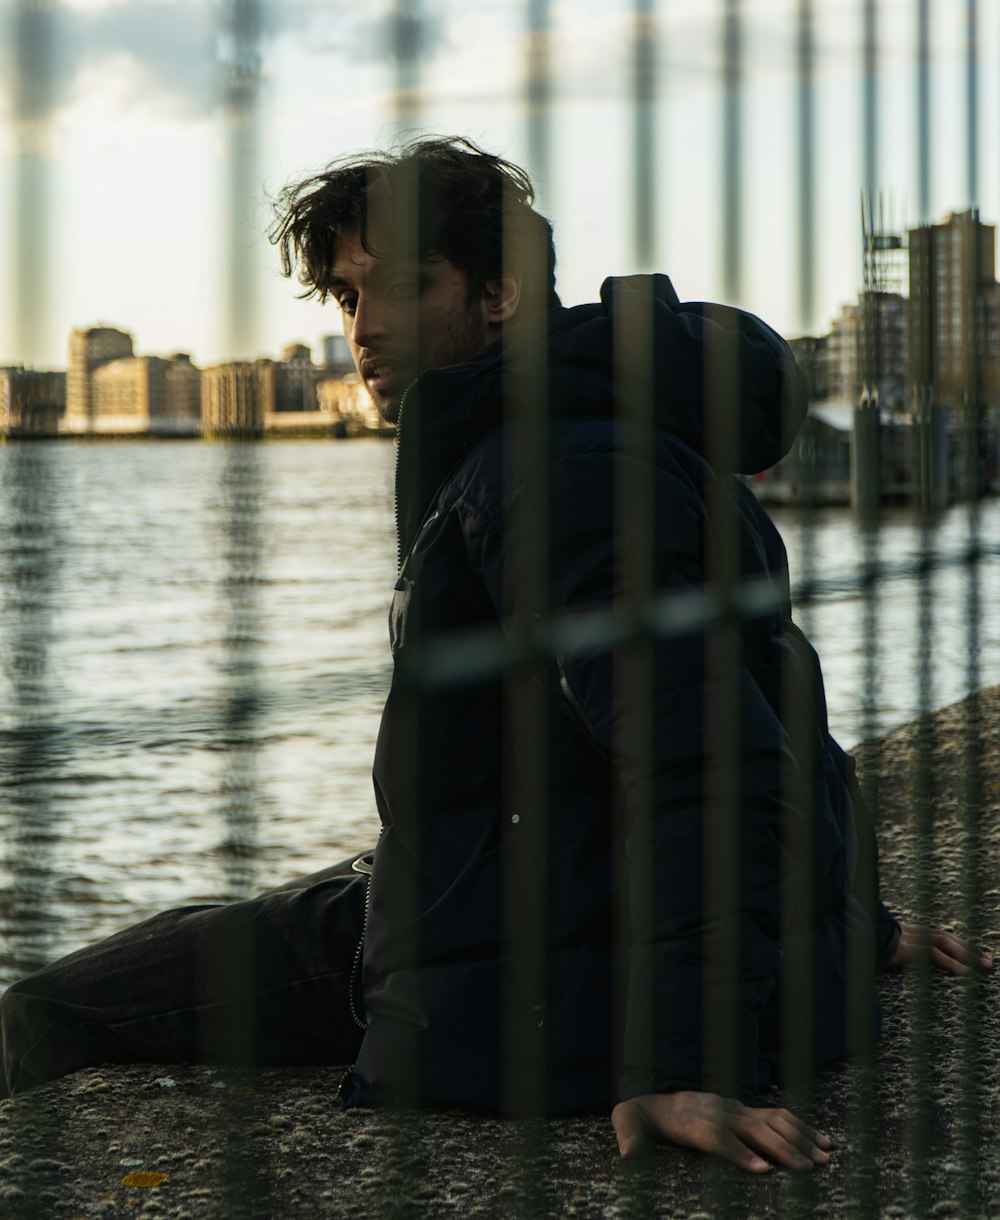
695, 363
639, 354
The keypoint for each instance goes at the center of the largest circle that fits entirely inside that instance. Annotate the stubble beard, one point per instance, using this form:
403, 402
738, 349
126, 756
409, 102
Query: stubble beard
468, 342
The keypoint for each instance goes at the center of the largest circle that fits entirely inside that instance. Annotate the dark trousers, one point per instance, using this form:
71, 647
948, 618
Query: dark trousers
265, 981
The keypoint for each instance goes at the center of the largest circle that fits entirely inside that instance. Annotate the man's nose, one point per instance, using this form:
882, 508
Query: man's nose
370, 321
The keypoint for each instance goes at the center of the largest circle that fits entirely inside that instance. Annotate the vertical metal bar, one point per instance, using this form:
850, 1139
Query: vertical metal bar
971, 1089
526, 729
241, 65
240, 506
30, 482
32, 562
407, 45
971, 1080
538, 89
921, 348
861, 1014
798, 1006
806, 161
243, 493
32, 94
634, 666
634, 662
919, 1125
30, 822
526, 720
645, 161
870, 101
395, 221
240, 477
722, 640
400, 229
732, 149
972, 101
923, 18
918, 1173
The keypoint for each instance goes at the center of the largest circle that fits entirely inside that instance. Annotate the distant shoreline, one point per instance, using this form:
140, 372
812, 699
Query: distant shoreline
327, 433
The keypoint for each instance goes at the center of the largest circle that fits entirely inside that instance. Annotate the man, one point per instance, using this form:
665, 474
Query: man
541, 927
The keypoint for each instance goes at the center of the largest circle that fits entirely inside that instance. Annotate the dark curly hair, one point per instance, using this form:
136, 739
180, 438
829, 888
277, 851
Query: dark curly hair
440, 197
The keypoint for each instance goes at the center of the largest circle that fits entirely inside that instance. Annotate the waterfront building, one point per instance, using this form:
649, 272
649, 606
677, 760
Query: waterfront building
295, 378
843, 374
337, 358
954, 323
89, 348
182, 397
236, 396
146, 395
110, 390
347, 399
812, 354
32, 401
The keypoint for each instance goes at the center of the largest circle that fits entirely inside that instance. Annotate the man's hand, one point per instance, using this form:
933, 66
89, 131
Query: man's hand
947, 952
716, 1124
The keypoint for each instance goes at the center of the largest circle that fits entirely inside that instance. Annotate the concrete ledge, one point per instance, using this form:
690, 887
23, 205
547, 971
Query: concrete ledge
275, 1144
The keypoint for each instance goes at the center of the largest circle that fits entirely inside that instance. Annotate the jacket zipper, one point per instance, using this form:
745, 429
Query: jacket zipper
361, 865
395, 482
578, 712
367, 866
354, 991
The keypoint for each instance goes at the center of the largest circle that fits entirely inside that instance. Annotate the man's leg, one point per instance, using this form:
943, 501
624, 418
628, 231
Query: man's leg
262, 981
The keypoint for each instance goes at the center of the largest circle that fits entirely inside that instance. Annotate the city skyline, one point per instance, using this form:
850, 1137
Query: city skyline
334, 352
135, 151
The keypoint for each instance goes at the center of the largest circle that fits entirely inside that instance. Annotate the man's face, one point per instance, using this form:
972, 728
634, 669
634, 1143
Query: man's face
403, 317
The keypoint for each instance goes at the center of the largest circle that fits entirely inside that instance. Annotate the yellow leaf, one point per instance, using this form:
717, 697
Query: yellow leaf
144, 1177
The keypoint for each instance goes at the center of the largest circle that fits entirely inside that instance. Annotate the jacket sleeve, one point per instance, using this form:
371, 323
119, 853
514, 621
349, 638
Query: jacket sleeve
887, 929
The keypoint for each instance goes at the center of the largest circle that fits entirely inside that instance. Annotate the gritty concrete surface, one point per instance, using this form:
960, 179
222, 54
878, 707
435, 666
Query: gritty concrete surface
216, 1143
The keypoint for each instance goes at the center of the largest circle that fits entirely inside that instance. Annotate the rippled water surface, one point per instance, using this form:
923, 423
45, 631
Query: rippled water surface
194, 652
194, 658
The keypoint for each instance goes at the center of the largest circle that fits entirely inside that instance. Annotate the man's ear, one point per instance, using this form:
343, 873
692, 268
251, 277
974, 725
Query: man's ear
501, 298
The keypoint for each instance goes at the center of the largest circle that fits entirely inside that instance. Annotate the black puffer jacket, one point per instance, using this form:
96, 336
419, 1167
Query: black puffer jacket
613, 1010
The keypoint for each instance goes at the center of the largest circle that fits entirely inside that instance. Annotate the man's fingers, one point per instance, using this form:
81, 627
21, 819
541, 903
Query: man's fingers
775, 1114
779, 1140
704, 1121
962, 951
722, 1141
948, 962
809, 1142
630, 1129
746, 1138
944, 949
957, 956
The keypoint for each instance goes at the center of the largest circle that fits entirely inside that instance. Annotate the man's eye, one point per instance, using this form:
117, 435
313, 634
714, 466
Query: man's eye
348, 304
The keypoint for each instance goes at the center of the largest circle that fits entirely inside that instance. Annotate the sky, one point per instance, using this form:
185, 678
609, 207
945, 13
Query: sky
123, 172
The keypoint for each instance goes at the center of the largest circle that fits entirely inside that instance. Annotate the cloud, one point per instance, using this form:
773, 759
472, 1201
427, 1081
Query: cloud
158, 55
174, 57
356, 34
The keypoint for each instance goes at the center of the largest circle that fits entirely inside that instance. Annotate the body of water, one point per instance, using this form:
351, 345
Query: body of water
195, 655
